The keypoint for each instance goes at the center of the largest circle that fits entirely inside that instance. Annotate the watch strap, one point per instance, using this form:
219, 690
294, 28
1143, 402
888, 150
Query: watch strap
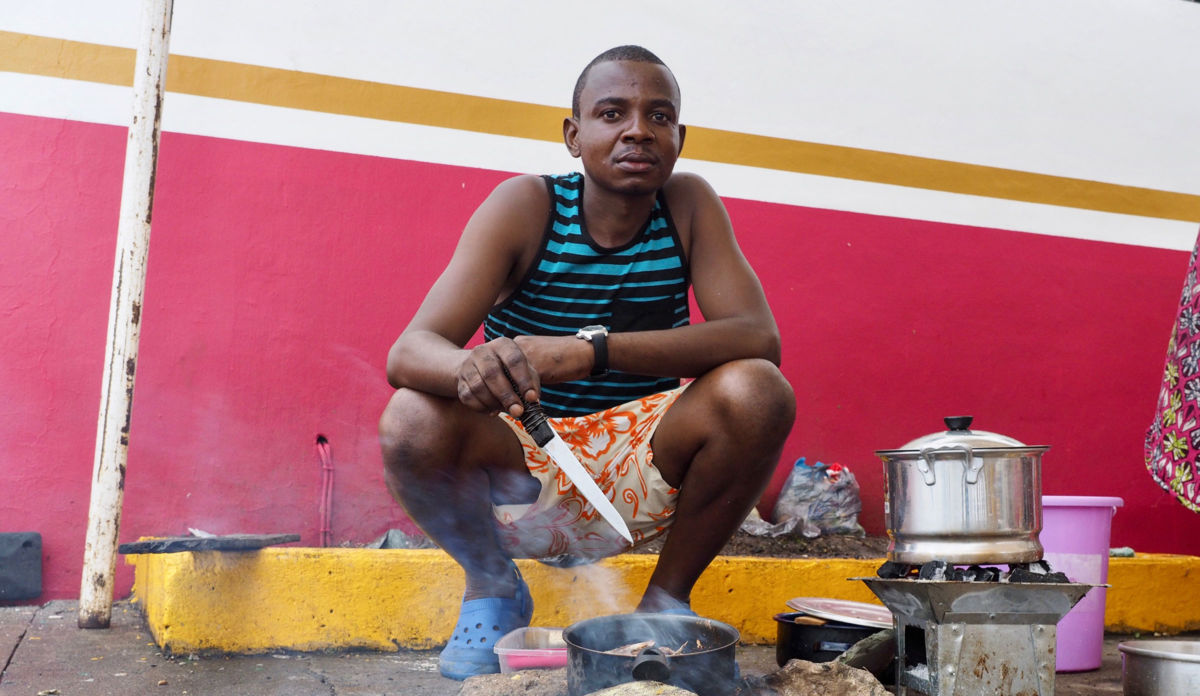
599, 343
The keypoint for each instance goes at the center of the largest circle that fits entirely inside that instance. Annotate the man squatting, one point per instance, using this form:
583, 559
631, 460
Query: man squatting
580, 282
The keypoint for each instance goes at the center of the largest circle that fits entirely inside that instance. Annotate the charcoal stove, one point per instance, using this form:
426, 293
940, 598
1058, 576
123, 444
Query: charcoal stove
990, 635
961, 497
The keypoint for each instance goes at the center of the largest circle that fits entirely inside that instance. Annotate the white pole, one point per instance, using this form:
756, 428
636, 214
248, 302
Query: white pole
124, 317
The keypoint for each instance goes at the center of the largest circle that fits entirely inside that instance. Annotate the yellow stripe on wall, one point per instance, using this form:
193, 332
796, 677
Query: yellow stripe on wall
938, 175
294, 89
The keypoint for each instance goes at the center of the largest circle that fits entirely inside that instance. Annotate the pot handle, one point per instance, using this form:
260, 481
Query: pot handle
925, 465
970, 466
651, 665
971, 469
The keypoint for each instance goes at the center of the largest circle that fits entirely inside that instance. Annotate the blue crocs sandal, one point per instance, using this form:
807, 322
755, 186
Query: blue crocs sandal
482, 622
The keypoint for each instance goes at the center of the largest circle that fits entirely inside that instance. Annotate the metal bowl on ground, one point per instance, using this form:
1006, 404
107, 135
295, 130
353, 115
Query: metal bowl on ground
963, 496
690, 652
1160, 667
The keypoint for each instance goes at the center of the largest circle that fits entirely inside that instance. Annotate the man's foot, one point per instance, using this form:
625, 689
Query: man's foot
482, 622
680, 611
657, 601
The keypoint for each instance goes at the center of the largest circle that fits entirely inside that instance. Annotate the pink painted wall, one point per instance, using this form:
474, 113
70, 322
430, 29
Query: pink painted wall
278, 277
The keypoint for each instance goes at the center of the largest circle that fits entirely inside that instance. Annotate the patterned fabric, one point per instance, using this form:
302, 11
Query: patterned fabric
574, 282
614, 445
1173, 439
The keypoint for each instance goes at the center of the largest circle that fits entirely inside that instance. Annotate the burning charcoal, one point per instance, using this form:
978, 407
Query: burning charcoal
893, 571
955, 573
1022, 574
1036, 567
933, 570
984, 574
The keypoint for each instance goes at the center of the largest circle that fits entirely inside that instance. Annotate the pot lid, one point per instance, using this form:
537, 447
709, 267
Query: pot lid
959, 433
854, 613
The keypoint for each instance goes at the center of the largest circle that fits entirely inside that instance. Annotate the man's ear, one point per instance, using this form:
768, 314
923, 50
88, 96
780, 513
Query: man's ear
571, 135
682, 136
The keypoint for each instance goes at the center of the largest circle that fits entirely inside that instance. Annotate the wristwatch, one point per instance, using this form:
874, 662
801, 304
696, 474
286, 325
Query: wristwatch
598, 337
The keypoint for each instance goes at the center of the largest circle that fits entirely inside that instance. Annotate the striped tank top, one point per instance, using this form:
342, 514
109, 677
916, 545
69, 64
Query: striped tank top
573, 282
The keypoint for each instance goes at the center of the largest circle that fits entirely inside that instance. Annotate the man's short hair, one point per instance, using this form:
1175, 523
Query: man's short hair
636, 54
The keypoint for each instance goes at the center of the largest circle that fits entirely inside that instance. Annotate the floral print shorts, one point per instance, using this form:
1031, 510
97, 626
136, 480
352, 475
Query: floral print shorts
561, 528
1173, 439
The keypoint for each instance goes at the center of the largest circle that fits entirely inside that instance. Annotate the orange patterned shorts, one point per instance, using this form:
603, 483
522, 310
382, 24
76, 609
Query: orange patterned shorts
614, 445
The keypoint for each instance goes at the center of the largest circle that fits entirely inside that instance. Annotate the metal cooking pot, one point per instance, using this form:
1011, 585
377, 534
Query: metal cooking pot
1160, 667
963, 496
820, 641
707, 670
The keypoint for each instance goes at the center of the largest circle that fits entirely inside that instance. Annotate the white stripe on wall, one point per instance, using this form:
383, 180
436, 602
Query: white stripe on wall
1098, 90
90, 102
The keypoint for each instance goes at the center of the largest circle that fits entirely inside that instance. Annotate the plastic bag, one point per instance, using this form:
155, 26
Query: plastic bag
755, 525
823, 498
399, 539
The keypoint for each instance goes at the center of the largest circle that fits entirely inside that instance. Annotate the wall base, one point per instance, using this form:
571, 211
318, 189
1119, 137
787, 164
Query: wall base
318, 598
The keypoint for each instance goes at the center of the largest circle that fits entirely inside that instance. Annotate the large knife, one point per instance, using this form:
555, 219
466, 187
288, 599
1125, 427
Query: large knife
534, 420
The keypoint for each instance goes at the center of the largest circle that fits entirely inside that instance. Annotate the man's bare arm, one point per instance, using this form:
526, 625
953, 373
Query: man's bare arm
429, 354
738, 321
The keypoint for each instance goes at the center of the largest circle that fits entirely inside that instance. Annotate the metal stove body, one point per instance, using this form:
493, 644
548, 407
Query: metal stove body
972, 498
962, 638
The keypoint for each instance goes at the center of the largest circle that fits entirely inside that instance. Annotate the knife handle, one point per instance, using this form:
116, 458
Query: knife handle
536, 424
533, 417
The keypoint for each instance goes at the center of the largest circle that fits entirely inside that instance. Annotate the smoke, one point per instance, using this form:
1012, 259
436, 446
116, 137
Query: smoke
600, 590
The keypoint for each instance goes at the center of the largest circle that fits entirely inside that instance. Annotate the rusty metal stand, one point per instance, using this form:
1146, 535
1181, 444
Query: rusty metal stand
978, 637
978, 659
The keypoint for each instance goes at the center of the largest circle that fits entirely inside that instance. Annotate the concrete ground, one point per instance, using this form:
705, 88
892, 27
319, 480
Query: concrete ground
42, 653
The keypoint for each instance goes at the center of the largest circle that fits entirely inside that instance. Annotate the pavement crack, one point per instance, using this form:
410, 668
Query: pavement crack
321, 677
16, 644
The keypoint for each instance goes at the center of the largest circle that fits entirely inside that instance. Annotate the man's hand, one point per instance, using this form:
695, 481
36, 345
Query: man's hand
494, 376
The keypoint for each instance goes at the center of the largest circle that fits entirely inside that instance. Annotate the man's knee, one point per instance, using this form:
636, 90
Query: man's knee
410, 421
755, 396
423, 430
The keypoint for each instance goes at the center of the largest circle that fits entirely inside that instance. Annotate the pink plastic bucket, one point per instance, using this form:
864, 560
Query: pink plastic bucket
1075, 535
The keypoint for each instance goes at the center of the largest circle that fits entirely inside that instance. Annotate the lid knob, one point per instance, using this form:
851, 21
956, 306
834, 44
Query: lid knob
958, 423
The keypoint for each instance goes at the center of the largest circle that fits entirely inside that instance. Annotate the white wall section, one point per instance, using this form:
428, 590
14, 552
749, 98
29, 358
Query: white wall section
1092, 90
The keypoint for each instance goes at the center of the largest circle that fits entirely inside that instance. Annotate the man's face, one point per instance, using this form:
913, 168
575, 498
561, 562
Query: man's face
628, 133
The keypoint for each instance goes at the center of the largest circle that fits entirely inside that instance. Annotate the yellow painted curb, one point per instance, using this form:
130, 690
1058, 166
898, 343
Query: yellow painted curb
1153, 592
315, 599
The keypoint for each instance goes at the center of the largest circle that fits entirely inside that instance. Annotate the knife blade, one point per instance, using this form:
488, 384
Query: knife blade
534, 420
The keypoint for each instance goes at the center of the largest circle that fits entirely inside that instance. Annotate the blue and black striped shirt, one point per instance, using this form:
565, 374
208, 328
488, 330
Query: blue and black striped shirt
574, 282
